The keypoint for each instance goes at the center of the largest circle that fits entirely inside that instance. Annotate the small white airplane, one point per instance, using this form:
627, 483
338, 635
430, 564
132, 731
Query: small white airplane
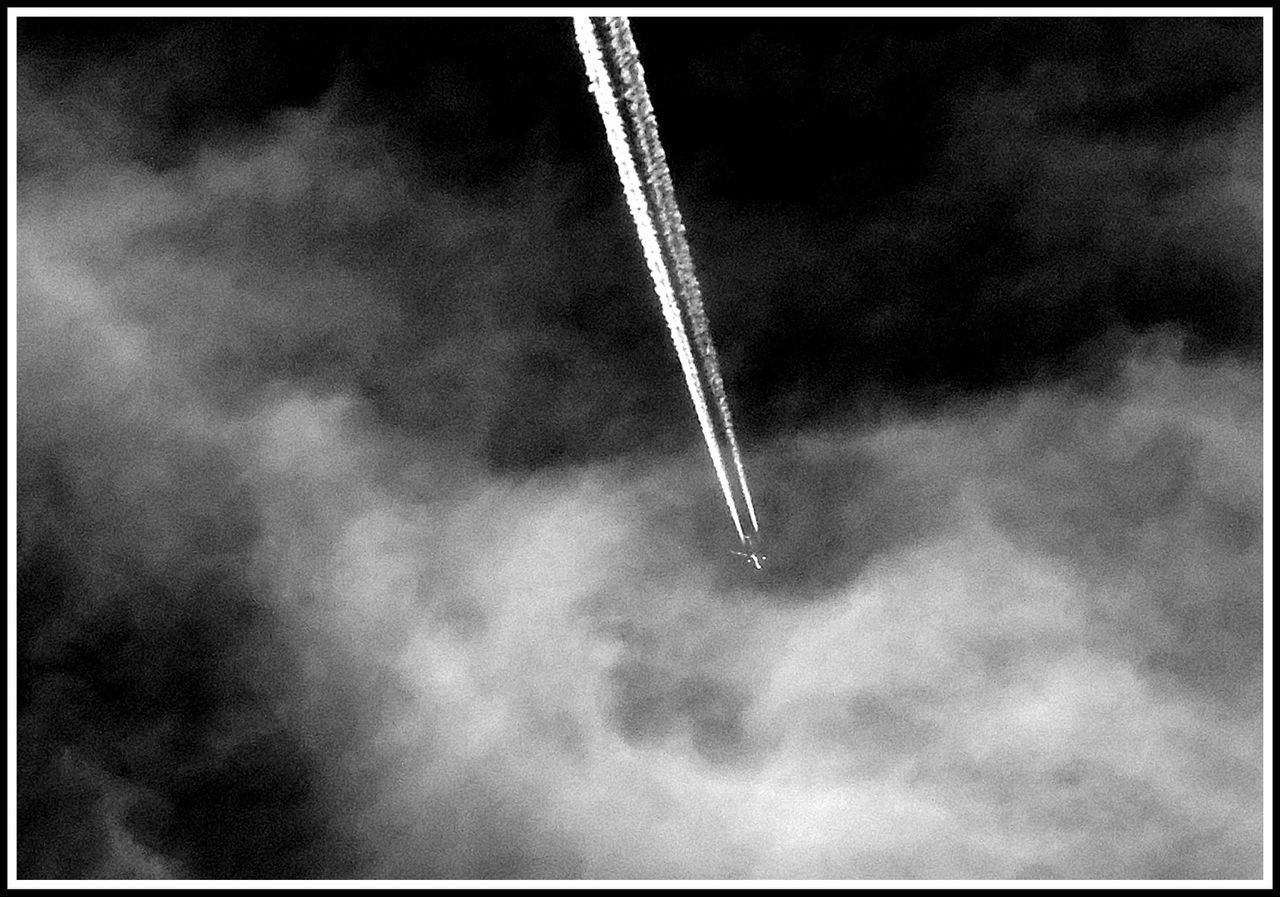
752, 554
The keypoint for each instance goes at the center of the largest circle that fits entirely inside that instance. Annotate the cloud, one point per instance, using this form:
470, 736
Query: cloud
298, 597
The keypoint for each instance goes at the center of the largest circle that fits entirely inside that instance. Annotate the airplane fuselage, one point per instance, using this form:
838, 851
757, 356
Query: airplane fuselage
752, 554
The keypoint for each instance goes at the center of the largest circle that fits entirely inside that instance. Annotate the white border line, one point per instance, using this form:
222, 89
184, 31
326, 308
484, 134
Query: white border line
11, 469
1268, 448
639, 12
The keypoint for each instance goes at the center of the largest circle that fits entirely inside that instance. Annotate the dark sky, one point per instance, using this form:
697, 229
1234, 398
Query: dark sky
363, 529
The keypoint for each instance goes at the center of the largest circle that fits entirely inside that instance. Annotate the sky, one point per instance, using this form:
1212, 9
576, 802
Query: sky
364, 529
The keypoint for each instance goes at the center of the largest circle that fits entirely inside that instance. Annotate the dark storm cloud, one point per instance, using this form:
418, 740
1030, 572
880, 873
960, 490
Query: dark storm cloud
361, 532
874, 204
1028, 233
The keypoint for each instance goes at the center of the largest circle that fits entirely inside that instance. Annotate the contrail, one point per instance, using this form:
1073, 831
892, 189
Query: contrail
644, 125
603, 90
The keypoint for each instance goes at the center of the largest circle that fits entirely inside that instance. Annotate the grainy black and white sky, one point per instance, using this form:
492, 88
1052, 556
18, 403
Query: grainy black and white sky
363, 526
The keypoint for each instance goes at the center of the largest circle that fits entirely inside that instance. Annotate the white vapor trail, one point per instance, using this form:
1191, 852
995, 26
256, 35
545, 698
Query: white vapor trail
603, 90
644, 125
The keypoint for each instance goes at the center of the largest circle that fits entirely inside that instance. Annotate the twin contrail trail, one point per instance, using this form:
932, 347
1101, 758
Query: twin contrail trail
662, 193
602, 88
660, 214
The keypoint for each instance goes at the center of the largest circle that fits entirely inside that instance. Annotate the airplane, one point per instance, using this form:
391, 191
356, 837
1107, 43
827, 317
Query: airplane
752, 554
